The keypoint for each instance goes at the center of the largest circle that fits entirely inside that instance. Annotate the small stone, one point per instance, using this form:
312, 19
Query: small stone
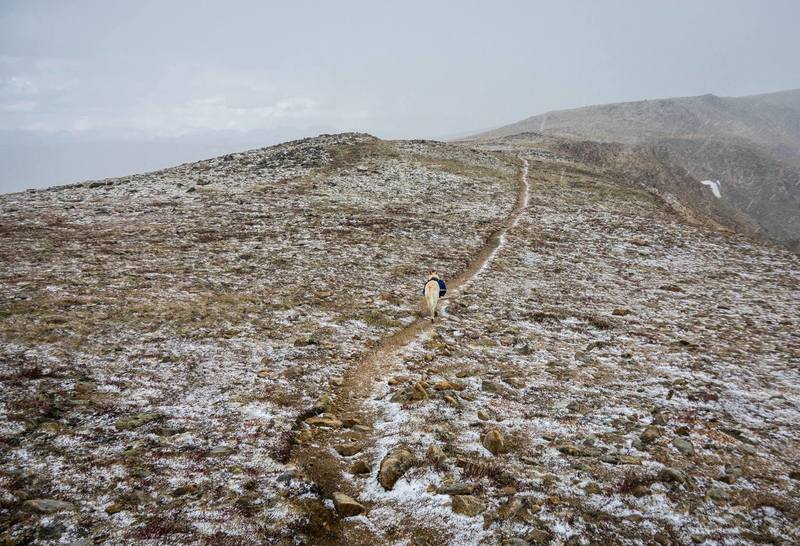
286, 477
467, 505
114, 508
458, 488
337, 381
452, 401
748, 449
435, 454
346, 506
360, 468
327, 422
220, 451
629, 459
717, 494
186, 490
682, 431
494, 442
393, 466
491, 386
483, 415
592, 489
669, 475
419, 392
650, 434
662, 539
323, 404
442, 386
641, 490
47, 506
508, 491
684, 446
350, 422
349, 449
135, 421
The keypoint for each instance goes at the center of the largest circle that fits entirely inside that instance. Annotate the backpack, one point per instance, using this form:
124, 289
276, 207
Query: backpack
442, 287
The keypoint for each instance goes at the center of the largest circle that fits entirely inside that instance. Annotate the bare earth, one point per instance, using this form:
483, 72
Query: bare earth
214, 353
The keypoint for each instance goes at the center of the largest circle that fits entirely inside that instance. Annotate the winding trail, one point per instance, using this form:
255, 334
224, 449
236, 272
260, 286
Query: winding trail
312, 450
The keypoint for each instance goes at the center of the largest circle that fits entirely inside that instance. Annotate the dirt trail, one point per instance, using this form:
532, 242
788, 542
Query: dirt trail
312, 450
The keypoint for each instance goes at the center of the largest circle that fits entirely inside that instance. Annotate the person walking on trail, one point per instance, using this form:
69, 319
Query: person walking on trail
433, 289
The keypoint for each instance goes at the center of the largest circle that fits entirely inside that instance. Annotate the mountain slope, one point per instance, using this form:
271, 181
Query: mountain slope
218, 351
749, 145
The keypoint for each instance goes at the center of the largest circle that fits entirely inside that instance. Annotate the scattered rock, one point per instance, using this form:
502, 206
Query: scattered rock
748, 449
467, 505
220, 451
323, 403
346, 506
494, 442
717, 494
492, 387
419, 392
393, 466
186, 490
684, 446
135, 421
483, 415
360, 468
114, 508
580, 451
327, 422
661, 539
650, 434
459, 488
671, 475
349, 449
435, 454
350, 422
47, 506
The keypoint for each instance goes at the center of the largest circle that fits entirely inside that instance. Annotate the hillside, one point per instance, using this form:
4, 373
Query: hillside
749, 145
231, 352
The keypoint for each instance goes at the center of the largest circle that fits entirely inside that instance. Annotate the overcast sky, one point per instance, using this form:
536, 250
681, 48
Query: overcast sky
147, 70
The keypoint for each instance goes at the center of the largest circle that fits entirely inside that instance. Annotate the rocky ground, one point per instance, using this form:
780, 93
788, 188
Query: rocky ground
230, 352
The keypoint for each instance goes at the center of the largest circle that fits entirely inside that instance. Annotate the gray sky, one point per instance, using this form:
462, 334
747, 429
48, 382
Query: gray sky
105, 71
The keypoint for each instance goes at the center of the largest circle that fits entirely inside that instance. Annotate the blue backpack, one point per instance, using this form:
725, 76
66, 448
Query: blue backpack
442, 287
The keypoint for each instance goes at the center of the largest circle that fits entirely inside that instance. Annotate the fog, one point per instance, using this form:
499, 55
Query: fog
96, 89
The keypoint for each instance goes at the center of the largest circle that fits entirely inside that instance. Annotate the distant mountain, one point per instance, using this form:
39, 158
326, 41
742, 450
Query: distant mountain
748, 146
